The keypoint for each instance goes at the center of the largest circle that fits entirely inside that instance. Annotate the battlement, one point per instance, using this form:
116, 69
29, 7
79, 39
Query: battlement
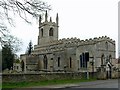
46, 20
77, 41
61, 44
104, 38
47, 23
69, 40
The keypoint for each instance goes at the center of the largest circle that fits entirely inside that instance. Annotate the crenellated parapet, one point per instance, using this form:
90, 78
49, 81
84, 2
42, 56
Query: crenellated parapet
104, 38
61, 44
76, 42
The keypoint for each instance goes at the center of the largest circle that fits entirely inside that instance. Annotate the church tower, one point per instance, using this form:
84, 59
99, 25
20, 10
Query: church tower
48, 30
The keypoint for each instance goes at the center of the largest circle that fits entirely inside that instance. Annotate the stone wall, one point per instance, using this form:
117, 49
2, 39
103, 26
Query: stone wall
103, 75
41, 76
52, 76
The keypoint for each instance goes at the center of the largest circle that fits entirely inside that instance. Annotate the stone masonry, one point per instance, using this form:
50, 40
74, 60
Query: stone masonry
68, 55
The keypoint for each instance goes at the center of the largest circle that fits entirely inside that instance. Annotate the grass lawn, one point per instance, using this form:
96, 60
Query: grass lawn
43, 83
0, 85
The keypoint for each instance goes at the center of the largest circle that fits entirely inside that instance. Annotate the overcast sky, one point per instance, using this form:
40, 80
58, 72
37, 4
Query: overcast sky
83, 19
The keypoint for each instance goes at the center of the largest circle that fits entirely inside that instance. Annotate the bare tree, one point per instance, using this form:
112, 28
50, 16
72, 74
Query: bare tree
22, 7
9, 9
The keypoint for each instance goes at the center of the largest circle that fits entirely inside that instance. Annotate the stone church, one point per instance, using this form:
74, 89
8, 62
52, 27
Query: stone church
67, 55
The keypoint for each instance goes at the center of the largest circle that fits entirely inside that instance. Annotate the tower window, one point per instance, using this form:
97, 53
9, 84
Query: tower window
51, 32
42, 32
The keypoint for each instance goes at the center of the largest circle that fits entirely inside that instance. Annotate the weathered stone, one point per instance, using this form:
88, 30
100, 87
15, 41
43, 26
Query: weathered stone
53, 55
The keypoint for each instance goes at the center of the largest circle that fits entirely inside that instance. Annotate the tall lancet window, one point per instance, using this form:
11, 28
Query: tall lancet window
102, 59
42, 32
45, 62
51, 32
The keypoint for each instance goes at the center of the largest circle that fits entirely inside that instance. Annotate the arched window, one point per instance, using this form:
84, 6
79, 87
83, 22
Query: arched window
42, 32
45, 62
102, 59
51, 32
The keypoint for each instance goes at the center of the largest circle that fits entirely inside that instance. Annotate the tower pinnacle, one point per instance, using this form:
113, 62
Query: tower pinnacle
57, 19
50, 19
40, 19
46, 16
